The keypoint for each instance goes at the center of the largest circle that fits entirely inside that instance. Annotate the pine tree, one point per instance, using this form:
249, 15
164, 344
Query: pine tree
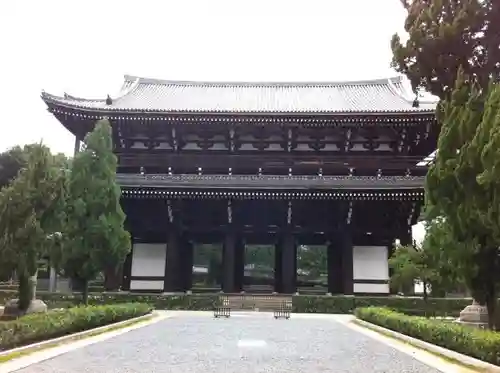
31, 211
444, 36
96, 238
461, 186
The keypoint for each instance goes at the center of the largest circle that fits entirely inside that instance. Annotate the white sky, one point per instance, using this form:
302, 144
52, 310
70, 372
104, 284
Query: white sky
85, 47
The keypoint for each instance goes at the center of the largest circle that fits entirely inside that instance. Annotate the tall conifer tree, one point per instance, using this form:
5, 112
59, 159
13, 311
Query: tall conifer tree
96, 238
31, 211
444, 36
461, 186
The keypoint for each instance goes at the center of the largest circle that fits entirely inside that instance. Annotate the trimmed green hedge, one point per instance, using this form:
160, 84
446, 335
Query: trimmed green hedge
200, 302
478, 343
301, 303
409, 305
43, 326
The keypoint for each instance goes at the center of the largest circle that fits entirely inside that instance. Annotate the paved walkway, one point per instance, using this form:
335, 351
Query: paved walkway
249, 342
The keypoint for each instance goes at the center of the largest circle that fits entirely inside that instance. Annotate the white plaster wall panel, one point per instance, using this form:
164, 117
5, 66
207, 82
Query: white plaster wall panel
148, 259
146, 285
370, 263
371, 288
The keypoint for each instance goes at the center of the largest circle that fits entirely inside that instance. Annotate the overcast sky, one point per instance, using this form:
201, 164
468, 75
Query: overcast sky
85, 47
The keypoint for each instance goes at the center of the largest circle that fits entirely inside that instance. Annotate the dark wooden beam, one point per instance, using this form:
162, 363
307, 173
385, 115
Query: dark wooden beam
268, 162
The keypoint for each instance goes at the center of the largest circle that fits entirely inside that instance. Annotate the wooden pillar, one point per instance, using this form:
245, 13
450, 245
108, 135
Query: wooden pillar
334, 263
187, 256
391, 246
127, 269
289, 263
347, 262
76, 150
229, 262
239, 265
278, 267
173, 264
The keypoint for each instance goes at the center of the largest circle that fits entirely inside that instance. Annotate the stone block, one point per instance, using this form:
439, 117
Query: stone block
36, 306
474, 315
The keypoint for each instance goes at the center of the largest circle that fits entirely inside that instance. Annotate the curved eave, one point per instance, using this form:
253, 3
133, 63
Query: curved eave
99, 112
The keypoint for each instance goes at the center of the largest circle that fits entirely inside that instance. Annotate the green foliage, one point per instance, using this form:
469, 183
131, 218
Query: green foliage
95, 238
31, 210
461, 187
199, 302
347, 304
301, 303
430, 263
439, 248
260, 255
57, 323
408, 265
11, 162
452, 52
481, 344
312, 260
444, 36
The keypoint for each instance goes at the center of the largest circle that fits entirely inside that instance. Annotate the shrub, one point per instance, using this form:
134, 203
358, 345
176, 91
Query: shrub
409, 305
478, 343
200, 302
301, 303
56, 323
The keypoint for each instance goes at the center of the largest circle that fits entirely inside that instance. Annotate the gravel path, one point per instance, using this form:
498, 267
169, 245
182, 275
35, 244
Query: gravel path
198, 343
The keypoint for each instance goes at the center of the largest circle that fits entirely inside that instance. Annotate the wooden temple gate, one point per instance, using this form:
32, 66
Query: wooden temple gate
281, 164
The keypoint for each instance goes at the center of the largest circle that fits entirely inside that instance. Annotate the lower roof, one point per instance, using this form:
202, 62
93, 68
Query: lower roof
391, 95
272, 182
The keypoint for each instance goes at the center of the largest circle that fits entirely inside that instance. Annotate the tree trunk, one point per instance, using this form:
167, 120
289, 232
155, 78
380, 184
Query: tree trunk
491, 306
76, 284
112, 279
425, 297
25, 296
27, 269
33, 279
85, 292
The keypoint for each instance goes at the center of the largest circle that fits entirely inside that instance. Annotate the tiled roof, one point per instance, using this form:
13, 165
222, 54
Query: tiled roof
271, 181
152, 95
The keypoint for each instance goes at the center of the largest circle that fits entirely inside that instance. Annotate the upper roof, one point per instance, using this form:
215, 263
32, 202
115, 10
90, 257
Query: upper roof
390, 95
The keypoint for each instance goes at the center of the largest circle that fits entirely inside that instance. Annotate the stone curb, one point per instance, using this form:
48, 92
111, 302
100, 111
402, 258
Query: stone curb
461, 358
49, 342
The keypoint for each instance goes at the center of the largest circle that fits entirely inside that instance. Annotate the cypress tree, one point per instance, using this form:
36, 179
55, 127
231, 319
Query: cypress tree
461, 186
96, 238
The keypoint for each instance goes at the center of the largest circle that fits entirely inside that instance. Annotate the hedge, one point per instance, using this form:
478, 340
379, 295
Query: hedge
409, 305
205, 302
56, 323
300, 303
478, 343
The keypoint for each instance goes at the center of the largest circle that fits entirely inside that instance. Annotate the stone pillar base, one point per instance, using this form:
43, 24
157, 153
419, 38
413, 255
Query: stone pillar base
11, 307
474, 315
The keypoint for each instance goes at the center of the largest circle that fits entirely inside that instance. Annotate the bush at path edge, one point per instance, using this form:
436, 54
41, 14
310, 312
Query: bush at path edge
56, 323
478, 343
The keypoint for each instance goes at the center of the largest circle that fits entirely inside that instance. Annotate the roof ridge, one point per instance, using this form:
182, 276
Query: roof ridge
380, 81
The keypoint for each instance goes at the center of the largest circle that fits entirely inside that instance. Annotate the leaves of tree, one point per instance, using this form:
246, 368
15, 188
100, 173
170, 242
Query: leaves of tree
444, 36
96, 238
31, 210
